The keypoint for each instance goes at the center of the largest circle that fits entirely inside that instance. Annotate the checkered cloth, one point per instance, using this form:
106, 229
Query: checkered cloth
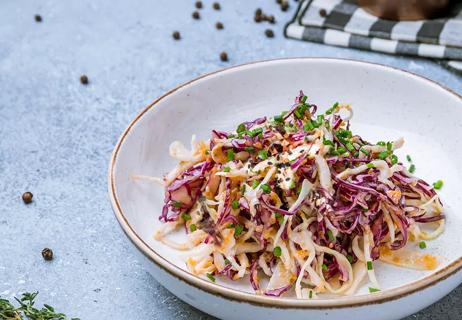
343, 23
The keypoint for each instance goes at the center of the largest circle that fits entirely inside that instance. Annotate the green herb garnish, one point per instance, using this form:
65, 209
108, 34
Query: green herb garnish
235, 204
372, 290
277, 251
369, 265
238, 230
255, 184
226, 169
26, 310
230, 154
438, 184
330, 235
412, 168
266, 188
422, 245
186, 216
192, 227
263, 154
211, 277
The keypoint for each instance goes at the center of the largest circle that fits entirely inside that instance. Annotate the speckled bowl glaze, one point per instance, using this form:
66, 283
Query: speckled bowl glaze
388, 103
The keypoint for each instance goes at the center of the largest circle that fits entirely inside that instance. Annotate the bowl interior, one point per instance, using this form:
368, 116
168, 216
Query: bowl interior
387, 104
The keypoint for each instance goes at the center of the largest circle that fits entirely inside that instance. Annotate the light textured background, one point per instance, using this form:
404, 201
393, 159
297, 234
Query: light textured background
56, 135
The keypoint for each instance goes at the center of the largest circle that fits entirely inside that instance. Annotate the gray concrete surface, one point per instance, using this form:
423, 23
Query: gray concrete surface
56, 135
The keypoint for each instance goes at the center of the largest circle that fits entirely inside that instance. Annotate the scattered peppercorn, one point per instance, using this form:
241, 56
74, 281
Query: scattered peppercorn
27, 197
219, 25
216, 6
84, 79
38, 18
322, 12
196, 15
224, 56
176, 35
278, 1
269, 33
257, 19
284, 6
271, 19
47, 254
199, 4
258, 12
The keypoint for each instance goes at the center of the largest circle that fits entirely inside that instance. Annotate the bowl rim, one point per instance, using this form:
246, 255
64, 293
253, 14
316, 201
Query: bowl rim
261, 300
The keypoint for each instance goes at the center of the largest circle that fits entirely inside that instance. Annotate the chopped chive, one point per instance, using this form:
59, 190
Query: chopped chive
438, 184
327, 142
331, 110
280, 218
341, 150
255, 184
227, 262
292, 184
226, 169
185, 216
310, 295
364, 151
176, 204
356, 154
412, 168
389, 146
241, 128
211, 277
243, 189
235, 204
333, 152
370, 165
238, 230
343, 133
350, 258
369, 265
230, 154
422, 245
263, 154
255, 132
381, 143
349, 146
394, 159
372, 290
408, 158
383, 155
324, 267
330, 235
303, 99
308, 126
266, 188
192, 227
277, 251
249, 149
278, 118
231, 136
207, 152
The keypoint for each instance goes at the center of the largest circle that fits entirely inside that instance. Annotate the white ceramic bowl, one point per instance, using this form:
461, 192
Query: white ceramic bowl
388, 103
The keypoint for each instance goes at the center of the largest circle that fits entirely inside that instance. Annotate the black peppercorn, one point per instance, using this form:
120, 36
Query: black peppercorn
278, 1
284, 6
176, 35
27, 197
199, 4
322, 12
219, 25
258, 12
38, 18
257, 18
269, 33
47, 254
216, 6
84, 79
196, 15
224, 56
271, 19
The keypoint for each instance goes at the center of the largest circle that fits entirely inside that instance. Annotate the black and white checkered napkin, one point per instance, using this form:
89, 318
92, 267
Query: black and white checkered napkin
343, 23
